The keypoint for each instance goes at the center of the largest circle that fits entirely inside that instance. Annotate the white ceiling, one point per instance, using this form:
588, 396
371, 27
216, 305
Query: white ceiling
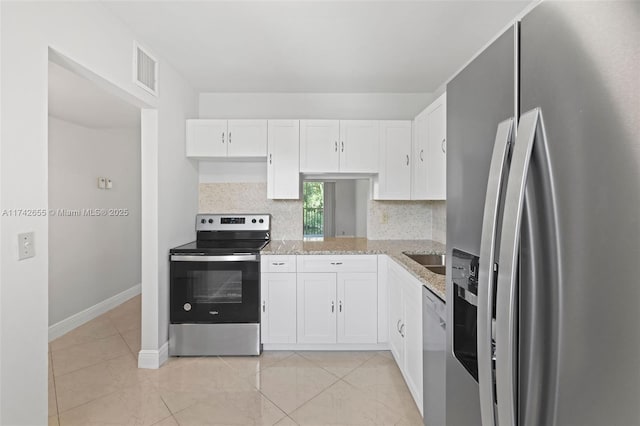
78, 100
316, 46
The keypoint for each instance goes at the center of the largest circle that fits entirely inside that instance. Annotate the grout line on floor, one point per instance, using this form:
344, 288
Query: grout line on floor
95, 363
315, 363
55, 390
312, 398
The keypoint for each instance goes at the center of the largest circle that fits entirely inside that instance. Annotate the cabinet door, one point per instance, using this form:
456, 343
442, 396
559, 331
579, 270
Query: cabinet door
206, 138
420, 158
437, 147
278, 322
357, 308
412, 332
247, 138
396, 315
394, 178
317, 308
359, 146
283, 167
319, 140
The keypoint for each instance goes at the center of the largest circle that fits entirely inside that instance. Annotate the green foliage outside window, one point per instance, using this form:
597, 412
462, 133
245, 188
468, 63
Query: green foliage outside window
313, 209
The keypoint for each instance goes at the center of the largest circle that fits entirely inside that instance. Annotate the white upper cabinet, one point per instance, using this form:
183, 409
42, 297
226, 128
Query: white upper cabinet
319, 141
429, 173
420, 161
226, 138
394, 177
247, 138
359, 146
437, 149
331, 146
283, 168
206, 138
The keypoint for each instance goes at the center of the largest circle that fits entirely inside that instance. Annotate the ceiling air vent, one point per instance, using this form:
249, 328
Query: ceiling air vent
145, 70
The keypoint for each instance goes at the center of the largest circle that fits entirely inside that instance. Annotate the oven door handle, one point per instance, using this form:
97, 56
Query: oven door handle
227, 258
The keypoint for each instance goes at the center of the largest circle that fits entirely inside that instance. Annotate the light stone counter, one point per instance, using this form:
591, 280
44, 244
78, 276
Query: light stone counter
392, 248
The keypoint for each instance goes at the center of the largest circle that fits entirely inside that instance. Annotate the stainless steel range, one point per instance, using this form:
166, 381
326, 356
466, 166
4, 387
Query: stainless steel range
215, 287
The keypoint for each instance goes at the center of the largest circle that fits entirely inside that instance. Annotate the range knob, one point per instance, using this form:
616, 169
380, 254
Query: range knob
253, 221
261, 221
210, 220
203, 220
187, 307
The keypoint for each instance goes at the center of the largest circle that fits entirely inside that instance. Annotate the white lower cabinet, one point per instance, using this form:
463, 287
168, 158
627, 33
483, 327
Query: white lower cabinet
405, 327
337, 308
278, 307
317, 307
357, 308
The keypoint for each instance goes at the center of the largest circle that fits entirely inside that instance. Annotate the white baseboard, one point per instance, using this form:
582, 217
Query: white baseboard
66, 325
325, 347
153, 359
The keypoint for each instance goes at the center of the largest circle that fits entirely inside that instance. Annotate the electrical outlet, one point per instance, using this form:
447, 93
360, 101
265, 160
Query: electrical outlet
109, 183
26, 248
385, 218
102, 183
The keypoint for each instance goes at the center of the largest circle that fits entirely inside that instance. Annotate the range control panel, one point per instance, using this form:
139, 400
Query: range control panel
233, 222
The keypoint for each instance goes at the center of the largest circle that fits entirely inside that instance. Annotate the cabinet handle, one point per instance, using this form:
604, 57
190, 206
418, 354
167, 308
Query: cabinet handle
277, 263
222, 138
443, 146
421, 152
270, 159
342, 146
263, 305
402, 330
333, 306
340, 306
336, 146
338, 263
229, 137
398, 326
407, 159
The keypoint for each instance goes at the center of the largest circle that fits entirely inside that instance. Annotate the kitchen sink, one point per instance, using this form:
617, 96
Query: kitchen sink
433, 262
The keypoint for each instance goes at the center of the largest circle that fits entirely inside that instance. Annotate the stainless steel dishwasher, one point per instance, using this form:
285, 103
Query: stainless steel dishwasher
434, 336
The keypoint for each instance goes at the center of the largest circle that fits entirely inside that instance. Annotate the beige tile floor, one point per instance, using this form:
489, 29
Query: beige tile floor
94, 380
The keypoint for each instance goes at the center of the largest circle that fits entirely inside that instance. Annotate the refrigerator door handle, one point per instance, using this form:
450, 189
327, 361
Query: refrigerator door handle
486, 278
507, 291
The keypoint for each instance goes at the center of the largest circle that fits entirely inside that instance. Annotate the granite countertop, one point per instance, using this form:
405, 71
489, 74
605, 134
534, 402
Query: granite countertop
392, 248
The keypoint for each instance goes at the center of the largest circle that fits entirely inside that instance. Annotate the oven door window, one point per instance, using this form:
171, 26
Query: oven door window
211, 287
215, 292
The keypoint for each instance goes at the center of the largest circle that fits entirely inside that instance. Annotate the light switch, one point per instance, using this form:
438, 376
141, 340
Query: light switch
26, 248
102, 183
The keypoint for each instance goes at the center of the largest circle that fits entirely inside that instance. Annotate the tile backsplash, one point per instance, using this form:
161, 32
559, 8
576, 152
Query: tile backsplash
399, 220
439, 221
393, 220
286, 215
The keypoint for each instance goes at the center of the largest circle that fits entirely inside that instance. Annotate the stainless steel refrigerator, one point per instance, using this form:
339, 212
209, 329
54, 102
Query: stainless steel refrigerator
543, 222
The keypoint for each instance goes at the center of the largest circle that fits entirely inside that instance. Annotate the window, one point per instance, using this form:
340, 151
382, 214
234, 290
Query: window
313, 210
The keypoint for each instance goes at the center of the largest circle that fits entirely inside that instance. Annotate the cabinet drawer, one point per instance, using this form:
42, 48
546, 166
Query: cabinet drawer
278, 263
337, 263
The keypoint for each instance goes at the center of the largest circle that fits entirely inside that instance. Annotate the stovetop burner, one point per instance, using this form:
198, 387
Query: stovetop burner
228, 234
221, 246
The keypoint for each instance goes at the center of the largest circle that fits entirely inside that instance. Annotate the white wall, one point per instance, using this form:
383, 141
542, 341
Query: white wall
88, 34
92, 258
372, 106
345, 208
362, 199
